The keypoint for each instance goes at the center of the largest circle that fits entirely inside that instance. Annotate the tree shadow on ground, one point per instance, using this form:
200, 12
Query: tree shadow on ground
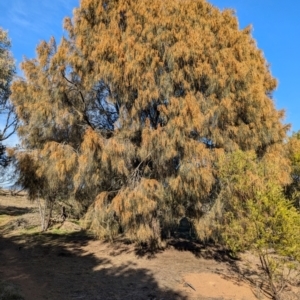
203, 250
49, 266
15, 211
145, 251
200, 250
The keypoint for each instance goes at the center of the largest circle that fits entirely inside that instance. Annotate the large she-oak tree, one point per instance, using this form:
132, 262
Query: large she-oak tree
130, 113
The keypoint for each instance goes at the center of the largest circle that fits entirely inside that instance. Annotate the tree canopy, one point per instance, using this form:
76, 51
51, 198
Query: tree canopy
131, 113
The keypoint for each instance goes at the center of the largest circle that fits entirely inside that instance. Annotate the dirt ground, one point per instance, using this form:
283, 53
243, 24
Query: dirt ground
69, 264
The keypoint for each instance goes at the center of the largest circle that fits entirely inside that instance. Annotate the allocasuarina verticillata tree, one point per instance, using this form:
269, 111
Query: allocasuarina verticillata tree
131, 112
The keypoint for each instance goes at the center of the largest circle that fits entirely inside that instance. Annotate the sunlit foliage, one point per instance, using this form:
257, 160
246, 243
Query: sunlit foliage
132, 111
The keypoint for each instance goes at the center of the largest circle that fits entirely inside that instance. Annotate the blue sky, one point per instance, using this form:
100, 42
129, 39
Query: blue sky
276, 28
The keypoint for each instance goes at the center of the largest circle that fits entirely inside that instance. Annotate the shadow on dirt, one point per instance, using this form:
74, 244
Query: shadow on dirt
145, 251
200, 250
49, 266
15, 211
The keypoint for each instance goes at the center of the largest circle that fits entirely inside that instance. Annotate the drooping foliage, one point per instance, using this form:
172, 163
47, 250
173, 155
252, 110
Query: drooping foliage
132, 111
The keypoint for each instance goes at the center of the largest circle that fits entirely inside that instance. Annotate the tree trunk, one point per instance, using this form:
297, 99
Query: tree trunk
50, 214
45, 222
42, 214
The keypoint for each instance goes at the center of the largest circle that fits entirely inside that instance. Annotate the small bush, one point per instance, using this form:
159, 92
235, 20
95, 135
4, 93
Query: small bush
257, 216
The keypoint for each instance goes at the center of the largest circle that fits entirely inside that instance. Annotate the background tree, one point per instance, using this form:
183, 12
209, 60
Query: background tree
136, 106
8, 118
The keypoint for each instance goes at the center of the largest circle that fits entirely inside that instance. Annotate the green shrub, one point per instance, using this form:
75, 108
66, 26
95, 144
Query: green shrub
258, 217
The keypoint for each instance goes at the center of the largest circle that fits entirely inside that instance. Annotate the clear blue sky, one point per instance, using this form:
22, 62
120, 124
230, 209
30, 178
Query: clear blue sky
276, 28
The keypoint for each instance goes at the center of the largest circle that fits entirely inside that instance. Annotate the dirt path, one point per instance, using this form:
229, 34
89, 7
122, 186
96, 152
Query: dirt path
75, 266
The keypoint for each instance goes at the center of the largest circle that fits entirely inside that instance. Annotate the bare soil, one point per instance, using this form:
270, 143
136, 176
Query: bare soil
68, 263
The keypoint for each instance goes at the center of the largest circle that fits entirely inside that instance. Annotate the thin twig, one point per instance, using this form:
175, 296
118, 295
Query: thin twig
186, 283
